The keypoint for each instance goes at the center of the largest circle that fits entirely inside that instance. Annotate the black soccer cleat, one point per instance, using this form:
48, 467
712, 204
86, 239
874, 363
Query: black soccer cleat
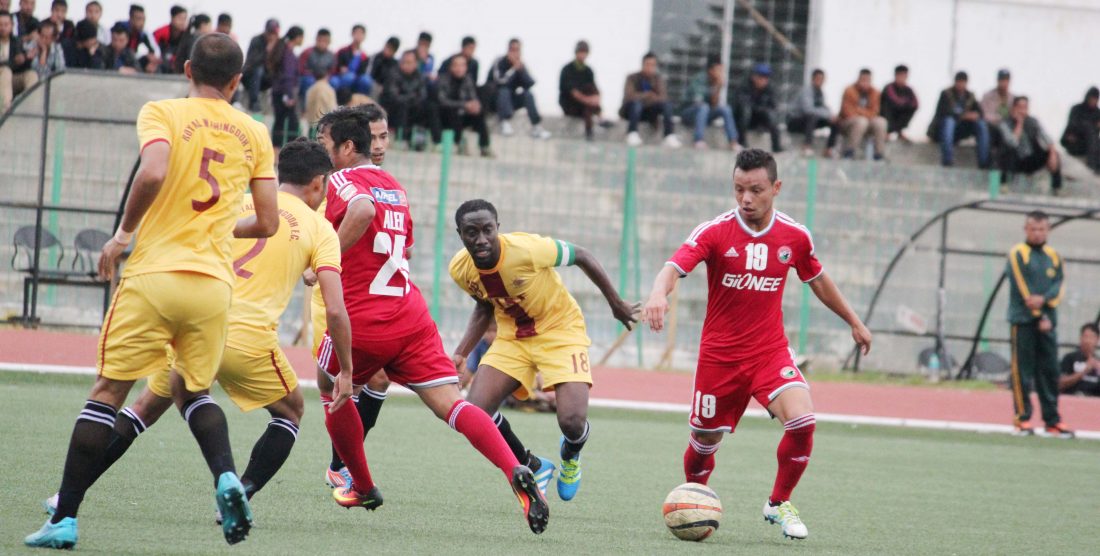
531, 500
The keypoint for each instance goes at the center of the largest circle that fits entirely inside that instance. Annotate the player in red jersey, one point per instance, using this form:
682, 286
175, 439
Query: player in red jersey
744, 352
390, 324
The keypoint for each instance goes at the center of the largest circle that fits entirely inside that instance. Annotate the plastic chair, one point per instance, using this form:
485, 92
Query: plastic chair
88, 243
24, 238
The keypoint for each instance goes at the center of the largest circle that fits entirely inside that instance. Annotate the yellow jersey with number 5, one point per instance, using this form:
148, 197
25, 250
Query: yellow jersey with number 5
215, 152
268, 269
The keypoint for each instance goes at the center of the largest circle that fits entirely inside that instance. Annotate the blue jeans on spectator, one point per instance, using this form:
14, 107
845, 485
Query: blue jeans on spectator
703, 115
252, 82
953, 130
360, 84
508, 99
636, 112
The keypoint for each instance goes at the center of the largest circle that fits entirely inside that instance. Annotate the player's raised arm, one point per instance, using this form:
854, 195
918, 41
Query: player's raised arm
265, 222
356, 221
339, 329
825, 290
143, 191
656, 307
479, 322
623, 311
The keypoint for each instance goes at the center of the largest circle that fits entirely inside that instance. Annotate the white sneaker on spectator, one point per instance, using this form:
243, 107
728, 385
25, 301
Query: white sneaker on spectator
506, 128
538, 132
671, 141
634, 139
701, 145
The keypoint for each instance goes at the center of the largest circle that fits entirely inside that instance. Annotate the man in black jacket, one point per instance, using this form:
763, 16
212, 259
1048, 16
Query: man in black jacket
755, 107
958, 116
513, 90
382, 64
578, 95
253, 77
404, 96
15, 69
1082, 135
459, 106
87, 52
469, 46
1027, 148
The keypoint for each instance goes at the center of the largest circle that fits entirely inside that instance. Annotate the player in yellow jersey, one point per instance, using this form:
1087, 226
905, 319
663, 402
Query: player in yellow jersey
540, 329
368, 401
254, 371
198, 155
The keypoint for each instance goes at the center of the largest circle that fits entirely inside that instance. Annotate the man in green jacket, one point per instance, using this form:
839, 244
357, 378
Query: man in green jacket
1035, 278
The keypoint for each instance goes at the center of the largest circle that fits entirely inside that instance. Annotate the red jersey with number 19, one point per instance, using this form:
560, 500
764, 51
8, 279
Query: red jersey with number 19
746, 273
381, 299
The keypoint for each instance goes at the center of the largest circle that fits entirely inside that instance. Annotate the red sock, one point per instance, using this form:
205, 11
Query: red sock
346, 430
479, 429
698, 461
793, 455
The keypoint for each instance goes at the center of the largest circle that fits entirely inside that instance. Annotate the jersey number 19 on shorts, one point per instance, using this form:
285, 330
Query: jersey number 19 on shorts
705, 405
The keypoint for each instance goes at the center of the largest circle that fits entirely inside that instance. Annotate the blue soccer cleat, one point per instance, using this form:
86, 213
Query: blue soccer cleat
54, 535
233, 507
545, 474
569, 479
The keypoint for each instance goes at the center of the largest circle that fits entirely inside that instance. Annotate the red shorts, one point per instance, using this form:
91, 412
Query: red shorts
416, 360
722, 392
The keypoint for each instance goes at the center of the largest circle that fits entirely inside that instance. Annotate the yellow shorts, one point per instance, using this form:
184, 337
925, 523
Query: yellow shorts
318, 319
556, 360
185, 310
252, 380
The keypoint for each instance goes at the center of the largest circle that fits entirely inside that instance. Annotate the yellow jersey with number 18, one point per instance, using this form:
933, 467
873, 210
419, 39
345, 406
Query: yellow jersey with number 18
267, 270
215, 152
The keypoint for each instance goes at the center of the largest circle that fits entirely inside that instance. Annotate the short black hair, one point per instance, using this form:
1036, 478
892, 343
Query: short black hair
176, 10
1019, 99
648, 55
901, 68
301, 160
512, 41
351, 123
394, 43
93, 3
713, 61
324, 32
293, 33
751, 159
864, 71
119, 28
1090, 326
199, 21
5, 14
817, 72
424, 36
961, 76
30, 27
215, 60
135, 8
468, 40
358, 27
1038, 216
57, 3
474, 205
47, 24
224, 18
409, 52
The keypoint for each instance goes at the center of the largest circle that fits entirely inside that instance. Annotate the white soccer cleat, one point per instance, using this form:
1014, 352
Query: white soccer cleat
634, 139
672, 142
786, 516
506, 129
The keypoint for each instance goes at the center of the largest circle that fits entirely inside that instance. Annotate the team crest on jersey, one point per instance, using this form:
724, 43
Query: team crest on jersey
784, 254
788, 373
394, 197
732, 252
1051, 272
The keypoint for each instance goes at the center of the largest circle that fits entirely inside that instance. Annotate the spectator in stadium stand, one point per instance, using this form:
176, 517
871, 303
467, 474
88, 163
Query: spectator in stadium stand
15, 72
646, 98
704, 104
93, 12
404, 97
859, 115
320, 98
118, 55
513, 84
30, 41
351, 64
25, 22
473, 69
1036, 286
809, 112
383, 63
282, 65
88, 53
754, 107
425, 56
254, 76
318, 59
1027, 148
958, 116
49, 57
459, 106
59, 10
1080, 367
225, 26
578, 95
135, 26
996, 106
168, 38
899, 103
1082, 134
200, 25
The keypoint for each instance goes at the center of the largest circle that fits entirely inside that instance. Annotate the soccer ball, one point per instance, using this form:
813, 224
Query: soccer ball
692, 511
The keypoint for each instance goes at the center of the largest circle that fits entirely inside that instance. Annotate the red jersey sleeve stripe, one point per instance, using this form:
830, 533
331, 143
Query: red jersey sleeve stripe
328, 267
151, 141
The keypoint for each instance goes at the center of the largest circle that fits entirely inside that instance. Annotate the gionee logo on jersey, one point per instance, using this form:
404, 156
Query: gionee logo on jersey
394, 221
732, 252
389, 196
750, 282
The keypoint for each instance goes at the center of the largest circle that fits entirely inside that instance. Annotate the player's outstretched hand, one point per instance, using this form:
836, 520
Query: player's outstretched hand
108, 259
341, 391
626, 313
862, 336
654, 312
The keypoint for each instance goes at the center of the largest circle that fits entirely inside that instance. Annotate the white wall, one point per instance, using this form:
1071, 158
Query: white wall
617, 30
1049, 45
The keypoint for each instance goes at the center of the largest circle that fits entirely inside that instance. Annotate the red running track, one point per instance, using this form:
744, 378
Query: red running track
32, 347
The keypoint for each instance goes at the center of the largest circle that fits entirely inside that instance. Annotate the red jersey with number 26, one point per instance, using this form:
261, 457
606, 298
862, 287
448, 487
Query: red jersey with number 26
381, 299
746, 273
